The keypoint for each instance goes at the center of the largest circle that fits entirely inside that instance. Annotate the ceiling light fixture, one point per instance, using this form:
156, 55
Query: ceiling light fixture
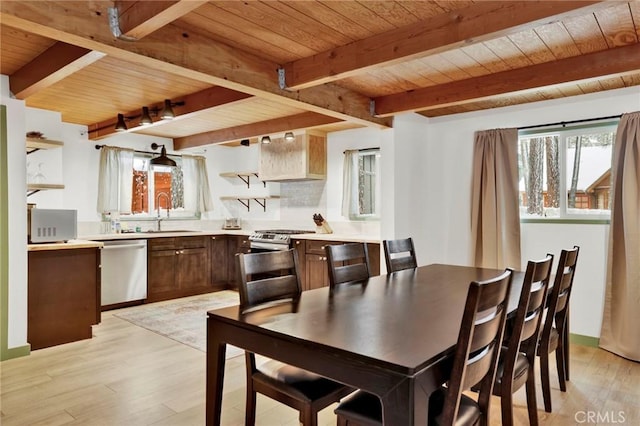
265, 139
245, 142
162, 159
289, 137
121, 126
145, 118
167, 112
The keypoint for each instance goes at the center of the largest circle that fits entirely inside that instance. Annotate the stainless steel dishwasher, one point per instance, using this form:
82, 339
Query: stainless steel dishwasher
124, 273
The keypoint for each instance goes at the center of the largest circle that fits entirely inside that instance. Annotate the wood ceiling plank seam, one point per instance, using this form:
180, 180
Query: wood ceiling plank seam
359, 85
611, 83
224, 35
570, 90
124, 70
444, 66
617, 25
556, 37
465, 62
242, 15
631, 80
356, 14
391, 11
306, 34
423, 10
329, 36
634, 9
484, 56
437, 76
532, 46
582, 30
391, 82
508, 52
332, 20
416, 72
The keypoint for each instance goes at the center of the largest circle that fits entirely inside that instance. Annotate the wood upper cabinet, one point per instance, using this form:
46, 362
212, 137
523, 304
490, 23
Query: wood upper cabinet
178, 267
304, 158
63, 295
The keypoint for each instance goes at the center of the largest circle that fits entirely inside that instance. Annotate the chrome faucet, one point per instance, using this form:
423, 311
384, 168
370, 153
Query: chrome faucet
159, 219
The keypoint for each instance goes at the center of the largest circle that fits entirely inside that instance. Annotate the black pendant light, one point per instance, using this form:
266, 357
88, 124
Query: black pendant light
121, 126
162, 159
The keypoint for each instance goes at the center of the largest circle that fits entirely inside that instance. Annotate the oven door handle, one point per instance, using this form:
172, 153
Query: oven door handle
268, 246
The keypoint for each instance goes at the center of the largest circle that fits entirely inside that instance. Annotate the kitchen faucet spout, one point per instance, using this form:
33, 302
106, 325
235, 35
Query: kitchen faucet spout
160, 195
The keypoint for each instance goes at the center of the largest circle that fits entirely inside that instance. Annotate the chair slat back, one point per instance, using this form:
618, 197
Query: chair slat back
399, 254
347, 262
559, 297
537, 280
478, 346
267, 277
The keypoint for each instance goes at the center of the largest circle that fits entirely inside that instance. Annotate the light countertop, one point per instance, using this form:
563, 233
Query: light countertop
71, 244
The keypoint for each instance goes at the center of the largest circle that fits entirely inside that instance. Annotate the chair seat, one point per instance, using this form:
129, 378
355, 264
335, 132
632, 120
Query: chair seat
521, 367
311, 385
365, 408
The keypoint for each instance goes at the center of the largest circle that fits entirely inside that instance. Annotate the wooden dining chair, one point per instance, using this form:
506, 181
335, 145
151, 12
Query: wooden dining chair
555, 331
474, 362
399, 254
267, 278
347, 263
515, 367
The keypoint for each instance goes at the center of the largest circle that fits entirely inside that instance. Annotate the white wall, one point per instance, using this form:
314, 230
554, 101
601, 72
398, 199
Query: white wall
448, 186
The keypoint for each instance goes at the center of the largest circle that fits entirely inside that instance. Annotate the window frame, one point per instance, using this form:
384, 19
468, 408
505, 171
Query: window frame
375, 152
564, 133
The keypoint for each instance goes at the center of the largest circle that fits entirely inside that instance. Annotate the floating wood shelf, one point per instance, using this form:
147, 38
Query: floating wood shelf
246, 199
32, 188
244, 176
36, 144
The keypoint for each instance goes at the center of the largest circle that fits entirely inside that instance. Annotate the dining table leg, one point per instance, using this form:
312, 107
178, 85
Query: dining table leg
216, 351
406, 405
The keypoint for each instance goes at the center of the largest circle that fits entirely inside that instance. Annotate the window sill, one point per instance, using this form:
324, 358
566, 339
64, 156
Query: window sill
565, 221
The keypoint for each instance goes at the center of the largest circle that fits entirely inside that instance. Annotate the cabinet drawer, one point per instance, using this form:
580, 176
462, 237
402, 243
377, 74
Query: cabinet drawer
191, 242
166, 243
317, 247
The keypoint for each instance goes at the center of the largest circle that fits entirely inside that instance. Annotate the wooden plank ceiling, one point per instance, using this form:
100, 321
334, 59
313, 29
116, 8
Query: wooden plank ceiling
344, 64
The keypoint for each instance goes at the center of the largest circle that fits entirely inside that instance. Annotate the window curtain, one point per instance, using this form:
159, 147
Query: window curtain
197, 196
350, 183
495, 219
620, 332
115, 180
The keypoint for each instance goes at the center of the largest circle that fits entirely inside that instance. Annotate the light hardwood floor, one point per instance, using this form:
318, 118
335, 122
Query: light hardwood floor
127, 375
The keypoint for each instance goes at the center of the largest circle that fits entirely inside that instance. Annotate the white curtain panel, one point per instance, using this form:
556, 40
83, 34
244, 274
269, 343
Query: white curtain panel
350, 183
115, 180
197, 195
620, 332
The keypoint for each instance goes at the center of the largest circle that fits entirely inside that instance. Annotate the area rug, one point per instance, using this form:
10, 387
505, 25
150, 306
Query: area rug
183, 320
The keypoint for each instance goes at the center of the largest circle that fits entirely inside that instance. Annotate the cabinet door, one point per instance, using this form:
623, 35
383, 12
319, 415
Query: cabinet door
193, 270
219, 259
237, 244
300, 247
316, 273
161, 274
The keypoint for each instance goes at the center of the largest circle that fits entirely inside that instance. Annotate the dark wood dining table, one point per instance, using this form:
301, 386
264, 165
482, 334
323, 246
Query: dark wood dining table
392, 336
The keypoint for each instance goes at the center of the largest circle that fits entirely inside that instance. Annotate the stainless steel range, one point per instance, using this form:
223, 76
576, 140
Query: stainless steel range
273, 239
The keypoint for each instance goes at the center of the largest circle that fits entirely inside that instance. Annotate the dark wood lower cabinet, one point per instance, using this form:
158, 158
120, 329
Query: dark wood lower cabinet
219, 261
63, 295
178, 267
236, 244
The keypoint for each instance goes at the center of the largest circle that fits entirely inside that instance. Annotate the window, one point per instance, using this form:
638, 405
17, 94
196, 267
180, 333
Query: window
566, 173
130, 186
361, 192
158, 187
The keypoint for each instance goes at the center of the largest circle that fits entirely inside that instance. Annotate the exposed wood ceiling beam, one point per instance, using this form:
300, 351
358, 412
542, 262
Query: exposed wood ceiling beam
616, 61
190, 55
140, 18
51, 66
276, 125
193, 103
476, 23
